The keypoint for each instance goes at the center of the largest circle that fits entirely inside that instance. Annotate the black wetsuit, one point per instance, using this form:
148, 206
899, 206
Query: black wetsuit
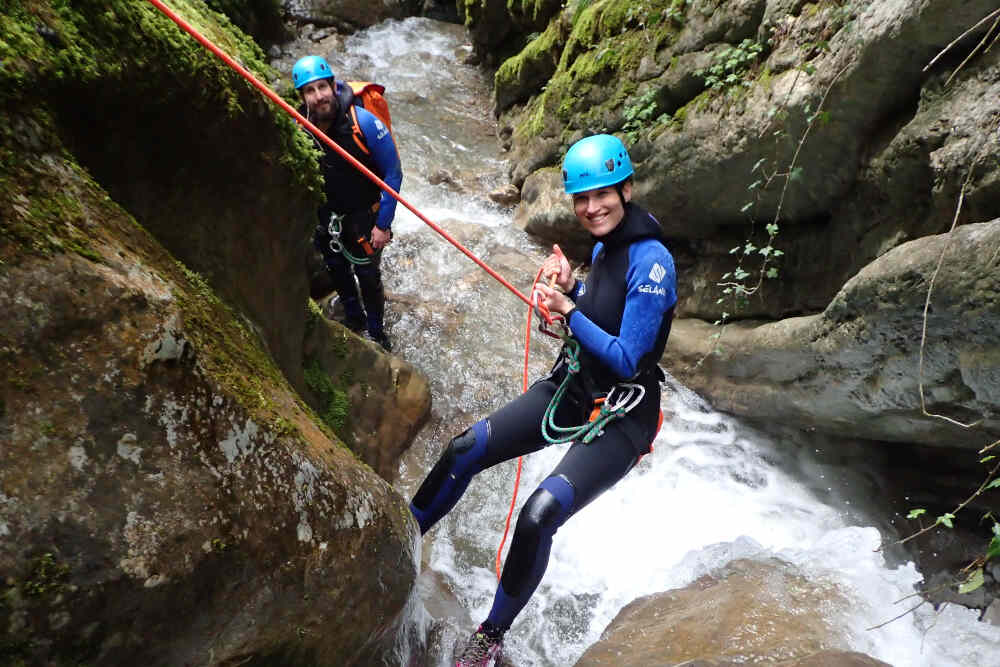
622, 319
361, 204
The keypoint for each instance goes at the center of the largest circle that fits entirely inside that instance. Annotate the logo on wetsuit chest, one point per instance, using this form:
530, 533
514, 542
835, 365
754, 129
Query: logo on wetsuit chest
382, 131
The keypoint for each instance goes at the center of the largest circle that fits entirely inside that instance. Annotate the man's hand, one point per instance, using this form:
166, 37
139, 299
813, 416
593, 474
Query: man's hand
380, 237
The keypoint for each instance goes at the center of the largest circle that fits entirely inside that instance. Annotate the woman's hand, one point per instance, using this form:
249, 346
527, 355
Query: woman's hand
557, 266
554, 300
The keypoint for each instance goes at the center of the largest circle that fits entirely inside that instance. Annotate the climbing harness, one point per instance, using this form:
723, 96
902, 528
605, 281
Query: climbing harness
334, 229
615, 404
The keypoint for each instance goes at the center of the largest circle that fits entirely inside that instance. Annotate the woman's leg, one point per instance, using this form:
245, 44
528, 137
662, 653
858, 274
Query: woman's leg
513, 430
584, 473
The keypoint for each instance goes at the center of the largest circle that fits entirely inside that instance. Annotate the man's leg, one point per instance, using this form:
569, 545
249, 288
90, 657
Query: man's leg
373, 294
343, 280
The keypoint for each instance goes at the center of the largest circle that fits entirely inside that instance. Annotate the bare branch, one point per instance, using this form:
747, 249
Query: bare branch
958, 39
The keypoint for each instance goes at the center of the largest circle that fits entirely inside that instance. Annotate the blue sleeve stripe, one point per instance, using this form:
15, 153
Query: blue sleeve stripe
646, 301
387, 165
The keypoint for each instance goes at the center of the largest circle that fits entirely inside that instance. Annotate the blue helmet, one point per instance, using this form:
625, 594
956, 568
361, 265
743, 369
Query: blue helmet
309, 69
595, 162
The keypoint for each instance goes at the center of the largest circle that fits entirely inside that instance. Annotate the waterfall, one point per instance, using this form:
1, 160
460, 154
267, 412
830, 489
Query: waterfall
714, 488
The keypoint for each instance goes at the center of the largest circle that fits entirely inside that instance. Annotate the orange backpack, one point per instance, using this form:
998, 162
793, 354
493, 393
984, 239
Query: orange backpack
370, 96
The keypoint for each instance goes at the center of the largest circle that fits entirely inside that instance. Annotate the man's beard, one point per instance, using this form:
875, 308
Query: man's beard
325, 116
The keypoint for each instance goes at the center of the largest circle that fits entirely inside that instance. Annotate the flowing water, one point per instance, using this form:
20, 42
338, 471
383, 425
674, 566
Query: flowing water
715, 489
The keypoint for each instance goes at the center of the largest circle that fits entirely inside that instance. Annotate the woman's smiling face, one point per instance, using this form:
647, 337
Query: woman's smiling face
601, 210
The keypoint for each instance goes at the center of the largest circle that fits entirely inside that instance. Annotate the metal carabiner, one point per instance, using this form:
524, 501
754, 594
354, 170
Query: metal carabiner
631, 398
333, 228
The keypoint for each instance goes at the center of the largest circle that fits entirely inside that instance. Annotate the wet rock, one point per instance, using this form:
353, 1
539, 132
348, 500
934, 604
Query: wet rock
508, 195
748, 612
853, 370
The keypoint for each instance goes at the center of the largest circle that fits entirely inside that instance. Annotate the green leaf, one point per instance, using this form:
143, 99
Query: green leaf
761, 161
994, 549
974, 581
796, 174
756, 184
746, 207
987, 458
772, 272
749, 248
946, 519
994, 484
777, 253
766, 250
772, 229
916, 513
735, 250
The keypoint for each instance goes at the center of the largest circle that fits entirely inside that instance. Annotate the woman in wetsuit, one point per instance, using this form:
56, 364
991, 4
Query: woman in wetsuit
619, 320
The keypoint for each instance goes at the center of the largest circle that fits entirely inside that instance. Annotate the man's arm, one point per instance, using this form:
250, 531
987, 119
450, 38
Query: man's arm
387, 166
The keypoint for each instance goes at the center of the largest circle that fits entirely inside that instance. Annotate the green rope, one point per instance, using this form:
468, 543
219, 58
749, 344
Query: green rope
585, 433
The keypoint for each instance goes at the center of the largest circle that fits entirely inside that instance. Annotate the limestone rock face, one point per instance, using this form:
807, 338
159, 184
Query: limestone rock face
353, 13
166, 500
830, 128
749, 613
854, 370
375, 402
166, 495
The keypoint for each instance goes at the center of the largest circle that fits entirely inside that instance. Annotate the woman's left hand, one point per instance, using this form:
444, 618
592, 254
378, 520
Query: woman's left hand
554, 300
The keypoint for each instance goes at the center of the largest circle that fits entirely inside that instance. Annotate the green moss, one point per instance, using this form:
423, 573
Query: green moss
541, 49
47, 577
337, 404
47, 44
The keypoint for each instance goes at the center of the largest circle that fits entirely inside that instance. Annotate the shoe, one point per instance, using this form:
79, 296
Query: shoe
480, 651
356, 324
383, 340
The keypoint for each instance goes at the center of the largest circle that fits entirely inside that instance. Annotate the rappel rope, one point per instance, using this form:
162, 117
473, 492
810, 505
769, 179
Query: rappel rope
591, 429
274, 97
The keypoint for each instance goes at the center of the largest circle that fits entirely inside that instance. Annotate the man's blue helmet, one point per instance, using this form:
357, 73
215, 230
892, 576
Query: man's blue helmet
309, 69
595, 162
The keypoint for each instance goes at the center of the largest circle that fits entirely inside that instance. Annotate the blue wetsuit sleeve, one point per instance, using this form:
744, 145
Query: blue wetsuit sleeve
387, 165
651, 291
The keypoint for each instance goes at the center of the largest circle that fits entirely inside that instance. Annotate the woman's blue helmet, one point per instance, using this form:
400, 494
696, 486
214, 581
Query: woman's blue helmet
595, 162
309, 69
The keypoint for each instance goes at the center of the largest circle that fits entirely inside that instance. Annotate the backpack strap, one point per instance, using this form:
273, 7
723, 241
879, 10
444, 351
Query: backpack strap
359, 136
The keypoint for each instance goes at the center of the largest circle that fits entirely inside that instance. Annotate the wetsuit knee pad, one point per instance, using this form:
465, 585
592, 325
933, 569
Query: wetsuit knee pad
542, 515
456, 462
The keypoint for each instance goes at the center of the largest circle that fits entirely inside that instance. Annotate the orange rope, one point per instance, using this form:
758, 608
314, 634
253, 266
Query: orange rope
384, 186
524, 388
274, 97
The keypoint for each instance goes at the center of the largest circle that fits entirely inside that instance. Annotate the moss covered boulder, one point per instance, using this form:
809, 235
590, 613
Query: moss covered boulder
166, 496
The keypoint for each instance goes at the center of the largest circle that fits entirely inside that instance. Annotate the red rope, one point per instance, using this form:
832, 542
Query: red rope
395, 195
524, 388
274, 97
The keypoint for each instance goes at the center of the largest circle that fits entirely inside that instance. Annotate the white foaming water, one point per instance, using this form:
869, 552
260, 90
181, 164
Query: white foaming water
713, 490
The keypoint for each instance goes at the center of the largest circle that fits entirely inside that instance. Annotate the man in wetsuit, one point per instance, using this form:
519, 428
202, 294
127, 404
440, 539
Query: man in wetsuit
355, 222
619, 320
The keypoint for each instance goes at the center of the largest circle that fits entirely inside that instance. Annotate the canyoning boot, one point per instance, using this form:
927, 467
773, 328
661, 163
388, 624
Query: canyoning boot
354, 317
482, 649
382, 338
